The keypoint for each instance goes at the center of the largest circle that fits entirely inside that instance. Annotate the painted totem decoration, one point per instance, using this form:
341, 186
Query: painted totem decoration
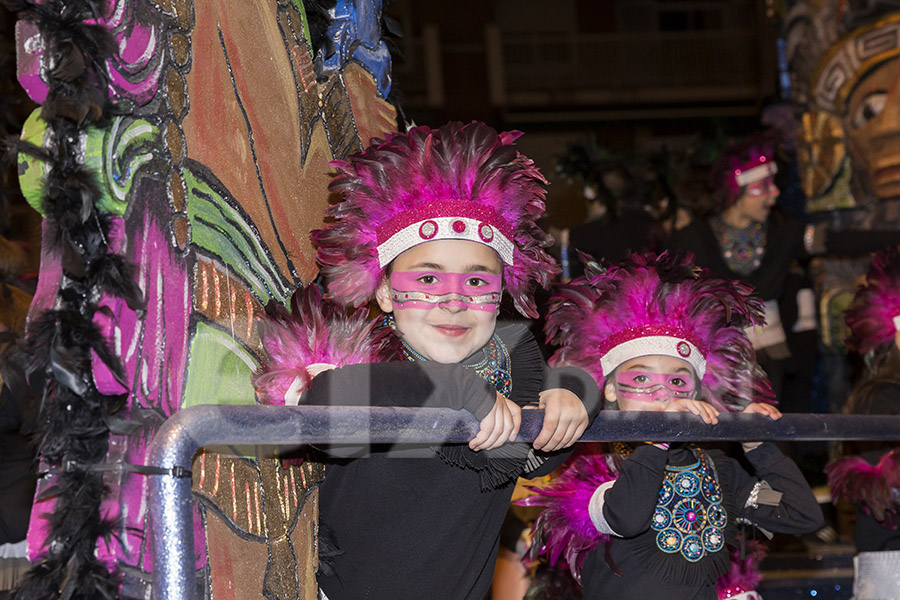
844, 61
195, 137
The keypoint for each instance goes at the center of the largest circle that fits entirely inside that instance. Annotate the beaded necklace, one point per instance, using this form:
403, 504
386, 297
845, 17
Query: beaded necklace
689, 516
742, 249
493, 367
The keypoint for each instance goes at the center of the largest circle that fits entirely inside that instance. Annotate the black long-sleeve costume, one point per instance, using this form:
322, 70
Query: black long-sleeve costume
648, 572
784, 244
412, 528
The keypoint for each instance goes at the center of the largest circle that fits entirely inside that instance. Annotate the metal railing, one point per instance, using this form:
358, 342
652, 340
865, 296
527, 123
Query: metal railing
189, 430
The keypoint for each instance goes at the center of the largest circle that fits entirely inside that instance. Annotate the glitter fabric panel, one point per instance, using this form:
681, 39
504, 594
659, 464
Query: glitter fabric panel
647, 345
433, 227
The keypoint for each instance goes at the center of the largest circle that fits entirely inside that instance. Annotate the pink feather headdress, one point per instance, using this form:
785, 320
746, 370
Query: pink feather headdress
456, 182
564, 529
741, 164
663, 304
874, 315
317, 335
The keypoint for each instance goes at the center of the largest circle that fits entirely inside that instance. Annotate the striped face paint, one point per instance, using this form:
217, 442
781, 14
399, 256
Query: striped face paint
647, 386
427, 289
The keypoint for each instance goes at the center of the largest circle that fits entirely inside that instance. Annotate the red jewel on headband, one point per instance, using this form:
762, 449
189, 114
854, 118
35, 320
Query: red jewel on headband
486, 232
428, 230
459, 226
683, 349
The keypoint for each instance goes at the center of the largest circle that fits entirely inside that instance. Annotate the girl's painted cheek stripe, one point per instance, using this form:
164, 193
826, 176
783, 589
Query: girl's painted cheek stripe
446, 289
647, 397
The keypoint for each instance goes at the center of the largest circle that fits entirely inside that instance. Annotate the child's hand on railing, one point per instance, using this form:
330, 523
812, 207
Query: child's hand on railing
704, 410
565, 419
501, 425
759, 408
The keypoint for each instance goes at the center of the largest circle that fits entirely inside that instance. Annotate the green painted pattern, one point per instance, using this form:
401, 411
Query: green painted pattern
118, 153
218, 227
31, 170
219, 370
114, 154
298, 4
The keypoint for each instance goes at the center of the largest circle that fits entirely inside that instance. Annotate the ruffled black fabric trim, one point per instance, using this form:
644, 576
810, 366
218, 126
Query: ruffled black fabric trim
74, 418
499, 466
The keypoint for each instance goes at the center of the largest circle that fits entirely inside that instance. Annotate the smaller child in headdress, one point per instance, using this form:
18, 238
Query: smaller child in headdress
435, 225
870, 479
655, 520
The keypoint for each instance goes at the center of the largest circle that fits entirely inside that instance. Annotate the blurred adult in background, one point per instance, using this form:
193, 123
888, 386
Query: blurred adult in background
619, 220
747, 237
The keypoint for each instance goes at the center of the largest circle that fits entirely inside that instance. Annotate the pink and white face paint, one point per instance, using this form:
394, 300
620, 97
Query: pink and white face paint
425, 290
648, 386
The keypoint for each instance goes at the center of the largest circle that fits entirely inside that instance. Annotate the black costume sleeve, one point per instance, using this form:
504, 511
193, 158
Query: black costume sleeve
797, 512
578, 382
630, 502
405, 384
582, 385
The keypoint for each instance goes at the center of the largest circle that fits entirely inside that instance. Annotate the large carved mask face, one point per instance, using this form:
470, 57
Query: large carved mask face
872, 125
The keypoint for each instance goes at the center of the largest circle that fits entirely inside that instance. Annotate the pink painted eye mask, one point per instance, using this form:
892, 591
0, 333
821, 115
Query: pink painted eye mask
761, 188
654, 383
473, 291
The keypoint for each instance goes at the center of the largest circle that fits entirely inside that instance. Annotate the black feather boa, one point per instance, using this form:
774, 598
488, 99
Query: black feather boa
74, 419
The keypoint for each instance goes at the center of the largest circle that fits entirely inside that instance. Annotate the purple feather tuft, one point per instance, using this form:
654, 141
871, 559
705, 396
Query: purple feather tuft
870, 317
875, 487
408, 170
664, 290
565, 530
744, 575
315, 331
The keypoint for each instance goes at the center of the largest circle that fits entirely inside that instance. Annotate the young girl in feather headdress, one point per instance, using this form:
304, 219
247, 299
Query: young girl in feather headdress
653, 520
871, 478
435, 225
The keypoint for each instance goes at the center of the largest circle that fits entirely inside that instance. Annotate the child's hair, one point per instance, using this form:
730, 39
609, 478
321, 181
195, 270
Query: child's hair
882, 366
661, 304
455, 182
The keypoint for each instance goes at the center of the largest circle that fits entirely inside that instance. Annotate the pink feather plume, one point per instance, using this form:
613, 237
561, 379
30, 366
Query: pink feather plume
876, 488
870, 317
315, 331
564, 529
744, 575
